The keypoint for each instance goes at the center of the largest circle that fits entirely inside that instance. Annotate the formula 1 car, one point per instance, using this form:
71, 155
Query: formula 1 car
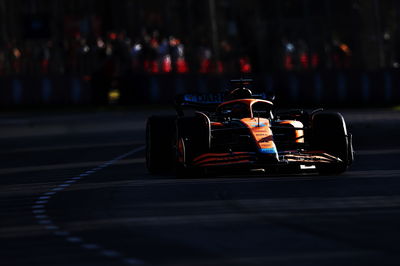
241, 131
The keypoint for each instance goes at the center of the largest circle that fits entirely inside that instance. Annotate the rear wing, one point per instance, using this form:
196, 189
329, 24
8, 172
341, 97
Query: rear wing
210, 101
205, 102
203, 99
199, 102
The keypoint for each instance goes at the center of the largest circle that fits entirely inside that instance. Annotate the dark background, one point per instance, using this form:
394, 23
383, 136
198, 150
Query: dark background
75, 52
324, 34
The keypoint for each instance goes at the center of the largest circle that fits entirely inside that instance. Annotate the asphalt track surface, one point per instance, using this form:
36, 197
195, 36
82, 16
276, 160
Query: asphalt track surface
74, 191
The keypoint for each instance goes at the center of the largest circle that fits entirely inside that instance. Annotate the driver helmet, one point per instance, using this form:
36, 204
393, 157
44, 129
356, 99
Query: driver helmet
240, 93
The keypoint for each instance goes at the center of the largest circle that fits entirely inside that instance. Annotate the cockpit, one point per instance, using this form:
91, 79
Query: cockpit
246, 108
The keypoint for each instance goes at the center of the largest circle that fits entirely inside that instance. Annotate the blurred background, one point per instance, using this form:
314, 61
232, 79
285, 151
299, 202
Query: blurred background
130, 52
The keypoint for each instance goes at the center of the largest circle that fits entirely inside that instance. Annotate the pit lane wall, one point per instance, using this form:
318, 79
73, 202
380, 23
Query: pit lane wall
329, 87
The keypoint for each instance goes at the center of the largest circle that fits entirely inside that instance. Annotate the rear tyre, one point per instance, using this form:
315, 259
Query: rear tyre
160, 138
329, 134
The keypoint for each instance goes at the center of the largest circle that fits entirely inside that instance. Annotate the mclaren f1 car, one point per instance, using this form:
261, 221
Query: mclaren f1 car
240, 130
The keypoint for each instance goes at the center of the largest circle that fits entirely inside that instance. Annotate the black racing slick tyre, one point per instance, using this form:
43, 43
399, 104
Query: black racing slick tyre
196, 132
194, 138
160, 142
329, 134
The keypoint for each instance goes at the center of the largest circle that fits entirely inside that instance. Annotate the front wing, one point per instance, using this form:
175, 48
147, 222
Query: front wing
259, 160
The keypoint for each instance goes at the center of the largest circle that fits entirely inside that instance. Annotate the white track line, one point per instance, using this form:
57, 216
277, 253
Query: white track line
42, 218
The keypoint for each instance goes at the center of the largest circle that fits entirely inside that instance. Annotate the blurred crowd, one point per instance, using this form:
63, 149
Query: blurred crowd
116, 53
39, 37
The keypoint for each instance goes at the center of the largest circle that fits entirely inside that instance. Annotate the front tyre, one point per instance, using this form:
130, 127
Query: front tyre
329, 134
193, 139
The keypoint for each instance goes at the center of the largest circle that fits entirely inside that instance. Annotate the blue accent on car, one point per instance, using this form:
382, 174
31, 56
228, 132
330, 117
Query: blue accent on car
269, 151
259, 125
204, 98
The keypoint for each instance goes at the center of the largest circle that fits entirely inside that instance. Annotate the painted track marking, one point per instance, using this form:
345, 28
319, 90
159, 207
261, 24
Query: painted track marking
42, 218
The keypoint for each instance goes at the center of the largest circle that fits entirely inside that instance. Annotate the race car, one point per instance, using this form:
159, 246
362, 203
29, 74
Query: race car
241, 131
